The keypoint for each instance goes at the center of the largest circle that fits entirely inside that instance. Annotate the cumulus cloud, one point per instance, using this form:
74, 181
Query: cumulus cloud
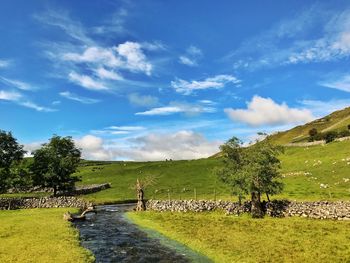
264, 111
92, 148
143, 100
172, 108
74, 97
177, 146
216, 82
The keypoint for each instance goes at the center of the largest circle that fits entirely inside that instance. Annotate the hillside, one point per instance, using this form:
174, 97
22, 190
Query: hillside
336, 121
310, 173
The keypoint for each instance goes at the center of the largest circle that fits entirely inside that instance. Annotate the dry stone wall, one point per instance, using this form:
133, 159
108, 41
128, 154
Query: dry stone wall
278, 208
45, 202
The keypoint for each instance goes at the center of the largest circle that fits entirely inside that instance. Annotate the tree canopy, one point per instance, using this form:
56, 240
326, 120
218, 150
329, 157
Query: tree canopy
11, 153
253, 170
55, 162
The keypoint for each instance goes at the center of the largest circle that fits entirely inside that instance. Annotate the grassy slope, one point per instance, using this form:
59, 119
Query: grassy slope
39, 235
229, 239
338, 120
198, 174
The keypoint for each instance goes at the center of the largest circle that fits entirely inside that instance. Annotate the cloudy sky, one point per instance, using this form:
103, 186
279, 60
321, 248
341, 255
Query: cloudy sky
149, 80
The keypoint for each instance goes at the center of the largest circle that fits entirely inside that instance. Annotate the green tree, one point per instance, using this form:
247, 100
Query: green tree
11, 153
55, 162
253, 170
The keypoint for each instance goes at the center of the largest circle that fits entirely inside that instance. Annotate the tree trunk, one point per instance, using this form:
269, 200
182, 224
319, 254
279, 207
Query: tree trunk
54, 191
256, 209
140, 206
268, 198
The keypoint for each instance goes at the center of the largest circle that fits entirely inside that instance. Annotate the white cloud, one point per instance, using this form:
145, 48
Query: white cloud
293, 41
322, 108
103, 73
72, 96
17, 84
127, 56
143, 100
187, 61
20, 100
189, 109
61, 19
341, 84
4, 63
127, 128
216, 82
9, 95
86, 81
92, 148
177, 146
264, 111
36, 107
191, 56
134, 58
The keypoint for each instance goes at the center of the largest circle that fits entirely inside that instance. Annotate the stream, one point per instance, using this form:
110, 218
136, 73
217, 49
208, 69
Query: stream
113, 238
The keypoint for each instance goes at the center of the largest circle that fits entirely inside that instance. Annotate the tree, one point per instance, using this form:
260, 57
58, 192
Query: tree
11, 153
55, 162
253, 170
330, 136
313, 132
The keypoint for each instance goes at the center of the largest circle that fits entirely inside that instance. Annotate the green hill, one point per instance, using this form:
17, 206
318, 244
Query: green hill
336, 121
310, 173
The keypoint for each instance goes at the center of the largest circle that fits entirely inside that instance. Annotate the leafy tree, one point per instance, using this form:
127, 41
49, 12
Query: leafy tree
313, 132
330, 136
55, 162
253, 170
11, 153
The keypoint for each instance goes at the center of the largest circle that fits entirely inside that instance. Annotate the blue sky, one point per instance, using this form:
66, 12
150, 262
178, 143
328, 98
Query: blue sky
148, 80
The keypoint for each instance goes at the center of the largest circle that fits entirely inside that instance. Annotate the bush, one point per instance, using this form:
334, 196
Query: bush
330, 136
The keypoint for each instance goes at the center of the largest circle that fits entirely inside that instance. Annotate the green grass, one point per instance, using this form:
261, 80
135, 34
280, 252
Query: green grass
242, 239
180, 179
39, 235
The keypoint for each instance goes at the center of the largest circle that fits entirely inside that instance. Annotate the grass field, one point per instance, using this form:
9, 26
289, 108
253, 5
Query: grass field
305, 170
230, 239
39, 235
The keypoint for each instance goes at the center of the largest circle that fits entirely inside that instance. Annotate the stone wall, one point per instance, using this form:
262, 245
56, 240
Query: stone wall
45, 202
279, 208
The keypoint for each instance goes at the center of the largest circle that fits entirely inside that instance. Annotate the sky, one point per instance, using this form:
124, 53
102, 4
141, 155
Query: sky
155, 79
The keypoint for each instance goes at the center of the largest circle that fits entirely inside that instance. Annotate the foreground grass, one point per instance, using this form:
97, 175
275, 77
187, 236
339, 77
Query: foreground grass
242, 239
39, 235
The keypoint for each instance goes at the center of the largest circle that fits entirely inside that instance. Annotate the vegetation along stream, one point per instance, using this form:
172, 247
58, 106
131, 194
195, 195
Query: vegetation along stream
113, 238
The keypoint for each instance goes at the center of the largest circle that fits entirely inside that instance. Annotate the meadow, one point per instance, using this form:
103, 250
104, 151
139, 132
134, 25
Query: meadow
309, 173
243, 239
39, 235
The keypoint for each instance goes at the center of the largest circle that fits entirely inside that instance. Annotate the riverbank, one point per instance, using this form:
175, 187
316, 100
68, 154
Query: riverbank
242, 239
40, 235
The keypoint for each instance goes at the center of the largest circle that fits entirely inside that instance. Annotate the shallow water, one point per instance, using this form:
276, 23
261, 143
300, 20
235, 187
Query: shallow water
112, 238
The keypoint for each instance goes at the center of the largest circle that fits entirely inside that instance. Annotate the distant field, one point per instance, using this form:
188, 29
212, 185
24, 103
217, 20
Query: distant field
304, 169
39, 235
242, 239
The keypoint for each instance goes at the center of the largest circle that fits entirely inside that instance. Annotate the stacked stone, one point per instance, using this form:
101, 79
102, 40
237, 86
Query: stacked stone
277, 208
45, 202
